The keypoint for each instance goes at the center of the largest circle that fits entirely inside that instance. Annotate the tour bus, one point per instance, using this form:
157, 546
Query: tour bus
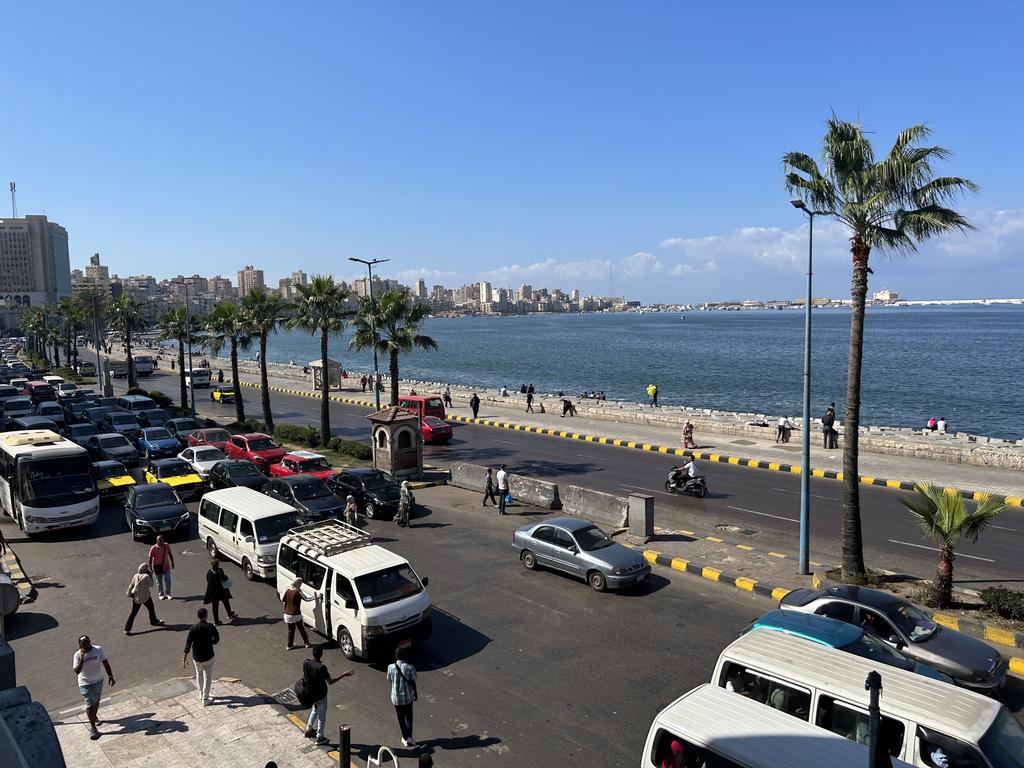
197, 377
713, 727
46, 481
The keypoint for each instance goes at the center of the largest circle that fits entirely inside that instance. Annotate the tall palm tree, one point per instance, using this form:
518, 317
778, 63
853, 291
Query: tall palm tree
263, 312
225, 327
392, 325
944, 518
93, 303
33, 320
892, 205
124, 314
74, 315
321, 308
53, 333
62, 310
177, 325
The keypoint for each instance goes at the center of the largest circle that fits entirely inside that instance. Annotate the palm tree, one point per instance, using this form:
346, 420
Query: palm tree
93, 303
391, 324
73, 313
125, 316
176, 325
263, 312
52, 334
944, 518
32, 322
891, 204
225, 327
321, 308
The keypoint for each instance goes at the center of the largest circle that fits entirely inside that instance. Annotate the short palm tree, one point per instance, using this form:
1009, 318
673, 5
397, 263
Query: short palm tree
263, 312
225, 327
177, 325
944, 518
322, 308
391, 324
891, 204
124, 314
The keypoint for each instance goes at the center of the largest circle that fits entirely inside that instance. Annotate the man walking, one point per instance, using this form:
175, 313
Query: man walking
88, 663
502, 489
161, 562
474, 404
529, 402
202, 636
826, 425
489, 488
317, 678
402, 677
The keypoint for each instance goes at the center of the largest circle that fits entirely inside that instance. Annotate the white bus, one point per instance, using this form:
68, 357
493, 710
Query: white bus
46, 481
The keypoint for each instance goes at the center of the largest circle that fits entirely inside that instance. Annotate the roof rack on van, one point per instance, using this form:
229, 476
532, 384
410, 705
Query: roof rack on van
329, 537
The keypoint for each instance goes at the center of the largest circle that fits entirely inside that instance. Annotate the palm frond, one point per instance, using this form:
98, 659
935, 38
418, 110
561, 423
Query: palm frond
942, 189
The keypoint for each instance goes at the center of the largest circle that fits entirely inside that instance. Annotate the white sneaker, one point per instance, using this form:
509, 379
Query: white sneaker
405, 742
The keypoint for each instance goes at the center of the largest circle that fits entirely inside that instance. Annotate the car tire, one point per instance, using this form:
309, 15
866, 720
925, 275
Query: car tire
212, 550
370, 510
345, 644
597, 581
529, 560
247, 569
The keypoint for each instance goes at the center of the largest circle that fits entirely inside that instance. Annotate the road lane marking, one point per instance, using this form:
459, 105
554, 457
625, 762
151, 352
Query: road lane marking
763, 514
933, 549
1003, 528
813, 495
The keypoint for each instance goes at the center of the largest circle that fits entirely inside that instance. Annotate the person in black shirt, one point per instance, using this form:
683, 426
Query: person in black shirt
202, 636
317, 678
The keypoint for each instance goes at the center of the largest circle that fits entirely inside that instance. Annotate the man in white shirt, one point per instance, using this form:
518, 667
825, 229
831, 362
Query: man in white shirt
502, 478
88, 663
942, 425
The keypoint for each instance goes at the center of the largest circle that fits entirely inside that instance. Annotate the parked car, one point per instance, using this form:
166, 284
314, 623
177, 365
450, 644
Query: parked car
308, 494
214, 436
15, 408
23, 423
77, 433
176, 473
112, 479
153, 417
85, 368
843, 637
422, 405
971, 663
74, 410
52, 411
67, 390
222, 393
262, 450
108, 402
123, 423
181, 428
7, 392
157, 443
202, 458
435, 430
581, 549
110, 445
97, 413
302, 463
375, 492
155, 509
38, 391
236, 473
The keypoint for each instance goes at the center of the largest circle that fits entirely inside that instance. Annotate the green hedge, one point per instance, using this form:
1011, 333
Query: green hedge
351, 448
294, 433
161, 400
137, 391
1008, 603
243, 427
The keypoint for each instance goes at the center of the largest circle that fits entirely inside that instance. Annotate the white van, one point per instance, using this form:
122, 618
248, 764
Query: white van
197, 377
144, 364
371, 602
921, 717
118, 368
718, 728
85, 368
244, 525
53, 381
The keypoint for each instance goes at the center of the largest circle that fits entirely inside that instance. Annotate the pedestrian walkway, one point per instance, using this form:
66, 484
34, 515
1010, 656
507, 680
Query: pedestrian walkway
166, 725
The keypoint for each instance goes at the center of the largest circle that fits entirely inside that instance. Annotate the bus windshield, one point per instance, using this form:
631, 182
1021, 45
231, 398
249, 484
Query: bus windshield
53, 482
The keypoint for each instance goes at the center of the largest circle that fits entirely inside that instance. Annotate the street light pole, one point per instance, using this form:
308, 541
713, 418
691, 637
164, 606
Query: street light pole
188, 339
373, 324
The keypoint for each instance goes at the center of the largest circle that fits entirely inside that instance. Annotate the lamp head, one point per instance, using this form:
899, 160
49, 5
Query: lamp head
798, 204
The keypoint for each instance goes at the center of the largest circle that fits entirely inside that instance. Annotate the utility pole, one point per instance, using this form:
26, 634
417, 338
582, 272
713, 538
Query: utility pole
14, 201
188, 338
373, 325
96, 339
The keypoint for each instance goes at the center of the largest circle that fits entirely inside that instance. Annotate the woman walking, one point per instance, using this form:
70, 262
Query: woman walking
139, 592
402, 678
688, 435
293, 599
405, 503
351, 513
218, 591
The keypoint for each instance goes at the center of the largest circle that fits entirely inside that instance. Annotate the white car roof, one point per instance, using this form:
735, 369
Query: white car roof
251, 504
306, 455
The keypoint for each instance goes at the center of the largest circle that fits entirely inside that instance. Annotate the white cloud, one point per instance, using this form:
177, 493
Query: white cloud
682, 269
410, 276
640, 264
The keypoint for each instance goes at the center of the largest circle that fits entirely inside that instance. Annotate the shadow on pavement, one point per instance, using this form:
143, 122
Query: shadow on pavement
142, 723
451, 641
22, 624
236, 702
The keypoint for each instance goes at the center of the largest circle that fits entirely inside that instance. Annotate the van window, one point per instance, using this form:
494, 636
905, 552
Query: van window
767, 690
838, 611
1003, 742
939, 751
314, 574
670, 749
852, 723
245, 529
288, 559
228, 520
209, 511
343, 587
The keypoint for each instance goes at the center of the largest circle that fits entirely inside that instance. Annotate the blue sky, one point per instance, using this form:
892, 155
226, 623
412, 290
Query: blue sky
543, 142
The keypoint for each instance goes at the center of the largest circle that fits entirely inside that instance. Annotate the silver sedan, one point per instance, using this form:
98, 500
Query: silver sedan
580, 549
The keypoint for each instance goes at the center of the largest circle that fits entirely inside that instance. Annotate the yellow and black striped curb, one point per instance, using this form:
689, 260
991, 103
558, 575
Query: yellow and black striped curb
745, 548
639, 445
985, 632
418, 484
26, 592
714, 574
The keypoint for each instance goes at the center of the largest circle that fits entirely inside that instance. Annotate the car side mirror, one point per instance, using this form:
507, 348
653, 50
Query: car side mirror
574, 549
426, 580
350, 603
897, 641
250, 539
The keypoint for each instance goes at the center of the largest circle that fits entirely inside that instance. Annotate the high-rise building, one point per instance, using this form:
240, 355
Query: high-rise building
97, 271
299, 278
421, 289
250, 279
575, 295
221, 287
525, 292
34, 265
485, 292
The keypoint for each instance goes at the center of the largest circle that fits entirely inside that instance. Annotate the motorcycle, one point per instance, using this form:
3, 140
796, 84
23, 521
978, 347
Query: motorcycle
689, 486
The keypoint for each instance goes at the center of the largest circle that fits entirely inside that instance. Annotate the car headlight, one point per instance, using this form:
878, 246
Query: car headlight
618, 571
184, 516
373, 630
34, 519
265, 559
426, 613
143, 523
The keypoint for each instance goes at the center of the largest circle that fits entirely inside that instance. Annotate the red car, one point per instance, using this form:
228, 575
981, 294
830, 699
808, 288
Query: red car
435, 430
39, 392
216, 437
303, 463
256, 447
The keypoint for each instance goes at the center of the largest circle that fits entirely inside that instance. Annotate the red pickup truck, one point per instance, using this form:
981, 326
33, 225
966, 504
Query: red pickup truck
256, 447
303, 463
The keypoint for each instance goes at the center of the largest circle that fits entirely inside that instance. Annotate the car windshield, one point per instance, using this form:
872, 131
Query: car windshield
243, 470
112, 470
82, 430
911, 621
389, 585
591, 538
217, 436
156, 497
869, 647
313, 465
158, 434
50, 408
262, 444
271, 529
209, 454
114, 442
122, 418
56, 481
8, 392
20, 404
1003, 742
307, 491
173, 470
67, 386
185, 425
433, 421
378, 481
157, 414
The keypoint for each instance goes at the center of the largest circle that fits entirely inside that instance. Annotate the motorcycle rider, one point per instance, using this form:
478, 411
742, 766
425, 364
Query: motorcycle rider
679, 476
690, 468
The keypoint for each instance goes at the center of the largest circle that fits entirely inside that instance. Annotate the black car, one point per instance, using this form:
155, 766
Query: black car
375, 492
123, 423
181, 428
112, 446
6, 391
309, 495
97, 413
108, 402
236, 473
23, 423
77, 433
74, 411
152, 417
155, 509
52, 411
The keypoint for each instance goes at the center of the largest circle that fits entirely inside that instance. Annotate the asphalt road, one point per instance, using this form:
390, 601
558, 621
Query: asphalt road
523, 668
764, 505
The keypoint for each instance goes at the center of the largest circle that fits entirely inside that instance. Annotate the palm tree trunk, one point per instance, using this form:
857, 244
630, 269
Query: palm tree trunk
239, 405
393, 370
944, 577
853, 543
181, 374
132, 381
268, 417
56, 353
325, 386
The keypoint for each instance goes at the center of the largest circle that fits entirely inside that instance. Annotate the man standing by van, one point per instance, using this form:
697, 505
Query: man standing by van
161, 562
502, 479
317, 678
202, 636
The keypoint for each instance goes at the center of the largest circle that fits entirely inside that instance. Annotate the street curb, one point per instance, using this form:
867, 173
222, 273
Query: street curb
12, 564
739, 461
714, 574
417, 484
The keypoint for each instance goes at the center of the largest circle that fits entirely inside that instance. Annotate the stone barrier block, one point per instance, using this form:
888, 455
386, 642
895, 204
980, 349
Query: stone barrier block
601, 508
529, 490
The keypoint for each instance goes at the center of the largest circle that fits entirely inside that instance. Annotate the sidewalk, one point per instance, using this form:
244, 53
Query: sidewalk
165, 725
